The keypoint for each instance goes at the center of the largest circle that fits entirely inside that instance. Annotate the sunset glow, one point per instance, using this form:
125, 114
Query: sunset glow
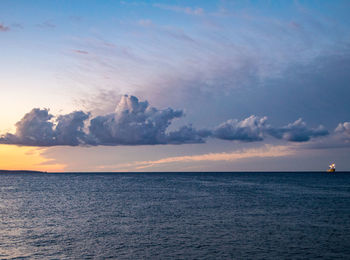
148, 81
25, 158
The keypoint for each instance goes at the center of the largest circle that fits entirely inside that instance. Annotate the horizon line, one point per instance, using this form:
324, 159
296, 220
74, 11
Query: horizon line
101, 172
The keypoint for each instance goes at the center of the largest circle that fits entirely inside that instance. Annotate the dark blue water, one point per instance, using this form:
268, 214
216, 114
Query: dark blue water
175, 216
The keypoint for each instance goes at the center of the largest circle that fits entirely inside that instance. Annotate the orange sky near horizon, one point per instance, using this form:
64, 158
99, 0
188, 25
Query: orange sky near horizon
14, 157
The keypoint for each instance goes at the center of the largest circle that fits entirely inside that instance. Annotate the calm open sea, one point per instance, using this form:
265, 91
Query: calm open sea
175, 216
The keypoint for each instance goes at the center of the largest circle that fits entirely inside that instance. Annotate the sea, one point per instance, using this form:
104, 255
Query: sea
247, 215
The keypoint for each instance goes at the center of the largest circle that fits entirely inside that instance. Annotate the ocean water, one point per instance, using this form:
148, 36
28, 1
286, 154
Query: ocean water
175, 216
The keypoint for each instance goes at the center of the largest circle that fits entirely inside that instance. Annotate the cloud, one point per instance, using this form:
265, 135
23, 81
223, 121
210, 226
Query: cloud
37, 129
342, 135
100, 103
4, 28
34, 129
80, 52
248, 52
135, 122
254, 129
17, 25
69, 129
46, 25
343, 129
297, 132
132, 123
261, 152
180, 9
187, 134
145, 22
249, 130
339, 138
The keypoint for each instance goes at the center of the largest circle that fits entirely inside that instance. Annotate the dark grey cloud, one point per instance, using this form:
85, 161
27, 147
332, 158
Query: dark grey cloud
70, 128
249, 130
37, 129
297, 132
256, 128
339, 138
188, 134
137, 123
133, 123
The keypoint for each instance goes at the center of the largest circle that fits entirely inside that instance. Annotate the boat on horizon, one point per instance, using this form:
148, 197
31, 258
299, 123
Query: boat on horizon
331, 168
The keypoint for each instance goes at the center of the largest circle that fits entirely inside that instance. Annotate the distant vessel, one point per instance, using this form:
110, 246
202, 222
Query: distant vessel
331, 168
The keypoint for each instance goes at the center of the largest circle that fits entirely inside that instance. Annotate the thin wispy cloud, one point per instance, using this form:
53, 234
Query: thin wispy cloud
46, 25
17, 25
80, 52
4, 28
266, 151
180, 9
212, 61
146, 22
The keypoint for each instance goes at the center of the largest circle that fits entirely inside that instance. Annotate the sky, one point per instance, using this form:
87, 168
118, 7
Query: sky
174, 85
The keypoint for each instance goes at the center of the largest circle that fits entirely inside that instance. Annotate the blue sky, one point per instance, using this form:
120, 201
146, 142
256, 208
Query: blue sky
258, 85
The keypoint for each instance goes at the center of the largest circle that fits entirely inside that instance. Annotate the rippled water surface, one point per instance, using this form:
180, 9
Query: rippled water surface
175, 215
